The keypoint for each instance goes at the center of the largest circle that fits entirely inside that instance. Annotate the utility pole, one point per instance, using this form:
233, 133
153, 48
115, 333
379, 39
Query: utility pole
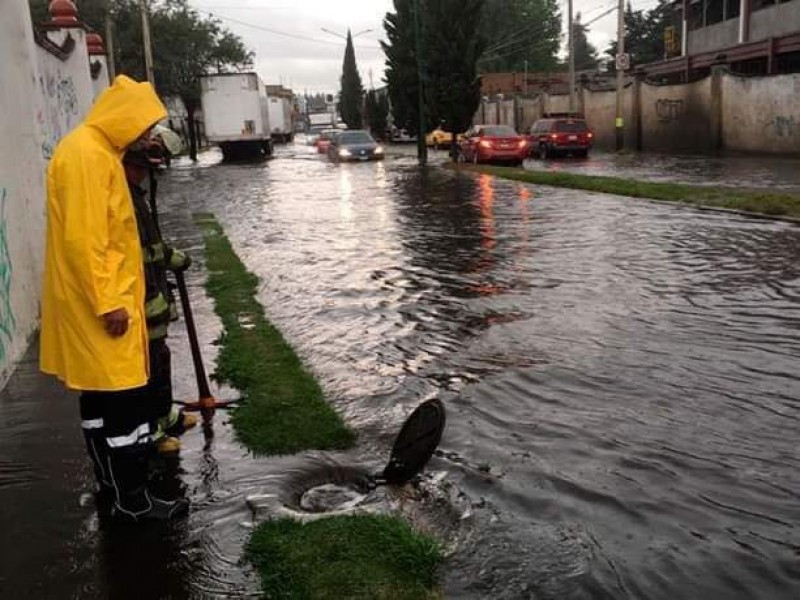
422, 148
571, 59
148, 44
619, 124
110, 39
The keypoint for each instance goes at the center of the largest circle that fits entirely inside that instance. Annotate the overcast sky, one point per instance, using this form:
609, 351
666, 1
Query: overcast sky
292, 49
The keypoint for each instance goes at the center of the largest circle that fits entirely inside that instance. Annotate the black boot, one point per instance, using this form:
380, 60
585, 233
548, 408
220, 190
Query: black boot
133, 503
98, 453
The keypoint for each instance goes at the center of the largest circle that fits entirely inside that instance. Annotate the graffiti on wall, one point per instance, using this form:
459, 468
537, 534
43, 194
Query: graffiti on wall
60, 110
783, 126
7, 322
669, 111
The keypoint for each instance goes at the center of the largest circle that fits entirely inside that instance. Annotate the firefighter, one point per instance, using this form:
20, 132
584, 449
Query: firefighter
139, 162
93, 332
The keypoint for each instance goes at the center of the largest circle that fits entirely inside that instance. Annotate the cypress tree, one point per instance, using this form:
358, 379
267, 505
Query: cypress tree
352, 90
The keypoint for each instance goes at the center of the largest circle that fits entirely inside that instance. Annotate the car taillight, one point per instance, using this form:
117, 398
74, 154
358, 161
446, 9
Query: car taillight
554, 137
523, 143
485, 144
590, 135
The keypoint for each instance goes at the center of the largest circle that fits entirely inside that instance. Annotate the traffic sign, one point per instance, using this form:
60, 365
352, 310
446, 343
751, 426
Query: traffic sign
623, 61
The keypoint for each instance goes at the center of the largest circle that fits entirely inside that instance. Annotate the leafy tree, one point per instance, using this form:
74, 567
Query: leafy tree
352, 93
520, 34
377, 109
401, 65
585, 52
452, 86
450, 47
185, 46
644, 34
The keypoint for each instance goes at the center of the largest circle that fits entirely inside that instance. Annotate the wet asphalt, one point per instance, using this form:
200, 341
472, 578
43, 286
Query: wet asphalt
620, 378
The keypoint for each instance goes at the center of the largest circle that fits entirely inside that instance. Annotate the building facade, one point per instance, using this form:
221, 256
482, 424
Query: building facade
759, 37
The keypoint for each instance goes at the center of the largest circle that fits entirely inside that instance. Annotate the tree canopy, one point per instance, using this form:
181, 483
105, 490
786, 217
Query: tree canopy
520, 34
450, 45
377, 112
401, 65
585, 53
644, 34
352, 90
186, 45
452, 87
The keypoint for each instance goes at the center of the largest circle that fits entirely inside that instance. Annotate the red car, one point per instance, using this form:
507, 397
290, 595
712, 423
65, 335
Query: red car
324, 140
493, 143
560, 136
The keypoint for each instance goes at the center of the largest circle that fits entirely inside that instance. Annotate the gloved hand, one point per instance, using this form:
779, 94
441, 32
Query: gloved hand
178, 261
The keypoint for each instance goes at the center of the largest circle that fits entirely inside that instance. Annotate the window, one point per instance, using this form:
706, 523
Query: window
714, 10
499, 131
733, 8
570, 126
355, 137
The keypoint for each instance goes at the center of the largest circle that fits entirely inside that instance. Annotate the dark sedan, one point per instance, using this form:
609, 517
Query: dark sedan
355, 144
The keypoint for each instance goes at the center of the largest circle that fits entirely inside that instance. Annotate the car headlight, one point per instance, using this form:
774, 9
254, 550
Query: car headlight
344, 152
379, 150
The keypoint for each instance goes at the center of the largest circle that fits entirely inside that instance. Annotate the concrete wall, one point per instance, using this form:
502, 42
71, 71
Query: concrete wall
721, 112
775, 21
65, 91
676, 117
714, 37
774, 126
42, 97
600, 109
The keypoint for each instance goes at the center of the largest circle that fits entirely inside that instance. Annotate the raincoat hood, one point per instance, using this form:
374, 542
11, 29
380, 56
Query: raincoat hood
125, 110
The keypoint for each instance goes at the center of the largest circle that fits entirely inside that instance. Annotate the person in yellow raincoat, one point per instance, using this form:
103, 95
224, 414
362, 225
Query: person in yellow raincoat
93, 333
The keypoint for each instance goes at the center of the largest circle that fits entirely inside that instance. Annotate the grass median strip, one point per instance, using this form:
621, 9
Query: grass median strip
751, 201
360, 556
349, 557
284, 410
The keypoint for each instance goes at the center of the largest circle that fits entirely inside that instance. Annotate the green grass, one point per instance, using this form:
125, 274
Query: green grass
343, 558
751, 201
283, 409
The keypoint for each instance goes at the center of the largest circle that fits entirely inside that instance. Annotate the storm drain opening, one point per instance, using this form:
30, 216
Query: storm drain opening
334, 488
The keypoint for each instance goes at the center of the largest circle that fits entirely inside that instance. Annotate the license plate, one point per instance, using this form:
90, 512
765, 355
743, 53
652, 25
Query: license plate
363, 157
573, 138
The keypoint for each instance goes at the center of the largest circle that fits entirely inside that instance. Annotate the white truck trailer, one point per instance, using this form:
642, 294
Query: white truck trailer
236, 115
280, 118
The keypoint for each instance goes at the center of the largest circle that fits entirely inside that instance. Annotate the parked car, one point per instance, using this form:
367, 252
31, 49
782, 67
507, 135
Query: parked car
561, 136
354, 144
325, 138
439, 138
493, 143
401, 136
313, 134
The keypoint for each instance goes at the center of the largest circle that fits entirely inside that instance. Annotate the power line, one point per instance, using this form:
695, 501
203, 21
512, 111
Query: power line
277, 32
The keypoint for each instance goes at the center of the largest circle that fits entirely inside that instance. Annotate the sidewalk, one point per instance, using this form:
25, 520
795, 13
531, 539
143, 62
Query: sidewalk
43, 471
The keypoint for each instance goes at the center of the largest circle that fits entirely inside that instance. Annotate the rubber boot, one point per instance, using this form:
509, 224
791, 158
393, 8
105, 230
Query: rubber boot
133, 502
177, 422
98, 453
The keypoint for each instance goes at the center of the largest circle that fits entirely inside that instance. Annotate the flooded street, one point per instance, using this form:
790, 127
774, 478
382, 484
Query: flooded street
778, 174
620, 378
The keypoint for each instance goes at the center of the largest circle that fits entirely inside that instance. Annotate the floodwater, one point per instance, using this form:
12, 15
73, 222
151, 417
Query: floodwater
620, 378
779, 174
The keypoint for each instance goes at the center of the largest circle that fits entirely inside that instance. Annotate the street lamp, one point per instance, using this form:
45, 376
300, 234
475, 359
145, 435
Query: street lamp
339, 35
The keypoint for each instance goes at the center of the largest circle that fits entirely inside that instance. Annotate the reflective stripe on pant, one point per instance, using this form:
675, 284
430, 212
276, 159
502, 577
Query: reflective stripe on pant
120, 427
122, 416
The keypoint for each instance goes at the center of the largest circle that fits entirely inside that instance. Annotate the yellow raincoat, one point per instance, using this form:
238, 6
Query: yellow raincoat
93, 258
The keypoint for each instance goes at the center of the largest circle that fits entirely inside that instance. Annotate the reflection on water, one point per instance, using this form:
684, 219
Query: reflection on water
620, 377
